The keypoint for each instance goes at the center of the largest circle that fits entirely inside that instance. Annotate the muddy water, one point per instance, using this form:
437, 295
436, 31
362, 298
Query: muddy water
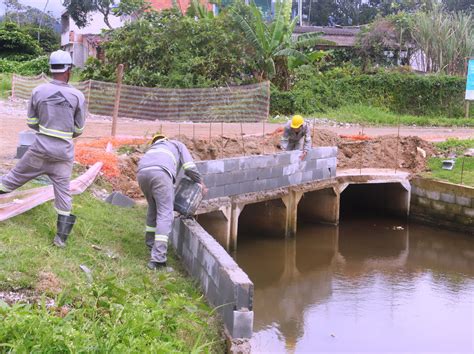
377, 285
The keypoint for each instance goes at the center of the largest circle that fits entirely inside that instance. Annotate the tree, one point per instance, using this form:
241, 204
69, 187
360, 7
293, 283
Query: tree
49, 39
272, 42
79, 10
15, 43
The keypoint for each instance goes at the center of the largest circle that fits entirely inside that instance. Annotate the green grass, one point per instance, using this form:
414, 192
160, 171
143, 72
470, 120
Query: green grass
5, 85
453, 176
126, 308
375, 116
459, 174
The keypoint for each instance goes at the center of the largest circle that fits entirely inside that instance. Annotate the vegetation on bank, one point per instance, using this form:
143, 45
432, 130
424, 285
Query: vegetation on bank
463, 171
123, 307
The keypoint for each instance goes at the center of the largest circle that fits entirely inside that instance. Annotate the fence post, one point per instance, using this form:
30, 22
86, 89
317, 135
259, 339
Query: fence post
117, 99
13, 86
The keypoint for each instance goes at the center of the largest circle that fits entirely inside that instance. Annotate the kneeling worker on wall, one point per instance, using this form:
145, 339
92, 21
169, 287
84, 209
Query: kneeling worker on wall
57, 112
296, 136
157, 171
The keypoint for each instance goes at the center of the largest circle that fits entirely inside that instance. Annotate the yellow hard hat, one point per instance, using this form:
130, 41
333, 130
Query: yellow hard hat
297, 121
157, 136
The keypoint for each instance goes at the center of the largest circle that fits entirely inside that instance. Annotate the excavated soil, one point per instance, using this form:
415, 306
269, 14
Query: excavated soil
405, 153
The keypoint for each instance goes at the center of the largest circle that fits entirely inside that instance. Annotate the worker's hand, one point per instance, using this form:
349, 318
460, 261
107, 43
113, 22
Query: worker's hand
303, 155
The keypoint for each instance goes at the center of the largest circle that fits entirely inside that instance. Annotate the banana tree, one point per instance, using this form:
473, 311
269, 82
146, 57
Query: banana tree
273, 42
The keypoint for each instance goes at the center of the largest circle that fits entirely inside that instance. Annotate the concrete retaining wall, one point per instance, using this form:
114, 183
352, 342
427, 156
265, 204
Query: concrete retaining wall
224, 284
443, 204
248, 174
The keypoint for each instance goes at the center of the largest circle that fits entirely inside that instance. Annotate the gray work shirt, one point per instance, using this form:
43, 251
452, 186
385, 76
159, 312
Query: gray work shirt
291, 138
57, 112
170, 156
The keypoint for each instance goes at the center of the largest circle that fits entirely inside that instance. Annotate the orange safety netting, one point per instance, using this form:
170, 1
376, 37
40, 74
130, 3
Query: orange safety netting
361, 137
88, 153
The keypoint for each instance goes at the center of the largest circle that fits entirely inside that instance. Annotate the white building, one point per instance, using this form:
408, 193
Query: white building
85, 42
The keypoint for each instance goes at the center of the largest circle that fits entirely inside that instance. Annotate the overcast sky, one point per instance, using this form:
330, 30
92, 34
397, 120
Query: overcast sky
53, 5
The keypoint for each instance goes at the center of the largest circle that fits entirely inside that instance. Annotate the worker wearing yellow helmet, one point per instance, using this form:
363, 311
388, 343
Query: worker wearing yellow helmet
296, 136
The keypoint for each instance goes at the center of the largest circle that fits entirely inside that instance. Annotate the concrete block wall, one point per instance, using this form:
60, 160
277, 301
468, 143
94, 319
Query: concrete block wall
247, 174
444, 204
224, 284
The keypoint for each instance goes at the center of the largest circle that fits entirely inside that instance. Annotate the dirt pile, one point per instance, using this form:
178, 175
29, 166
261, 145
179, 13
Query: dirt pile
405, 153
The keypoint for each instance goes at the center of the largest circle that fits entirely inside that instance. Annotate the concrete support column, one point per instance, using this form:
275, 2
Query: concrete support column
291, 201
236, 209
321, 206
218, 224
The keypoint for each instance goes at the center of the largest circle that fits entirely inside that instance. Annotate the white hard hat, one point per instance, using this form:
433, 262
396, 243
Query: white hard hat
60, 57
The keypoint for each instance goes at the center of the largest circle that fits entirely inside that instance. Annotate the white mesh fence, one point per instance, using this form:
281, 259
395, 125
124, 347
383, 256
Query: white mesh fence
247, 103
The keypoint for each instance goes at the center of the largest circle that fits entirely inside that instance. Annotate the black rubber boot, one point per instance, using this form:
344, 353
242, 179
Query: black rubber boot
156, 265
3, 192
65, 224
149, 239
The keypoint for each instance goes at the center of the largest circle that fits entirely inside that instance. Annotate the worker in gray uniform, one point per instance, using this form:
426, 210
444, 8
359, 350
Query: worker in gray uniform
296, 136
157, 171
57, 112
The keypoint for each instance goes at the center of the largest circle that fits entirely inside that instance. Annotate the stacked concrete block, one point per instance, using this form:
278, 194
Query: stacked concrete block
224, 284
443, 204
239, 175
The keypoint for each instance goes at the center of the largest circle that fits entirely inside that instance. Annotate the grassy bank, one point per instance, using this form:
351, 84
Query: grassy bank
124, 308
375, 116
460, 173
5, 85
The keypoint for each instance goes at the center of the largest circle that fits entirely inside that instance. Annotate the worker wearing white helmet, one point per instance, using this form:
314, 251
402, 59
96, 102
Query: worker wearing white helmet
296, 136
57, 112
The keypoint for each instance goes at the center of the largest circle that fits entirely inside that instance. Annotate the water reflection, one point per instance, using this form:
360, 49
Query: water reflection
365, 285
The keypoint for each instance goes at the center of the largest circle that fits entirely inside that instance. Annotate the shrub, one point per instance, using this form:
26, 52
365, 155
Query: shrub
405, 93
26, 68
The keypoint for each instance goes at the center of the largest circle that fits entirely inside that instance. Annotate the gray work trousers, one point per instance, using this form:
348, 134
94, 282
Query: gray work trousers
157, 186
34, 164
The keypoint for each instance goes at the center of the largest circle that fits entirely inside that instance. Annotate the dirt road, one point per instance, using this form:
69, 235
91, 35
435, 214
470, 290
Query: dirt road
12, 121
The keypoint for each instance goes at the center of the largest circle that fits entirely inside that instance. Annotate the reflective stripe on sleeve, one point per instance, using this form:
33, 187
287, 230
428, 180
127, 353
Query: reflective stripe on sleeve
189, 165
150, 229
78, 130
62, 212
55, 133
165, 151
161, 238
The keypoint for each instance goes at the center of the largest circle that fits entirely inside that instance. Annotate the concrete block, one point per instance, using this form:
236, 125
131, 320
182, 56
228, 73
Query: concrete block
243, 324
318, 174
283, 181
321, 163
469, 212
231, 165
295, 156
332, 171
307, 176
332, 162
276, 171
418, 191
311, 165
433, 195
215, 192
283, 158
202, 167
27, 137
119, 199
272, 183
264, 173
232, 189
212, 294
448, 198
291, 169
322, 152
210, 180
215, 166
20, 151
326, 173
438, 206
464, 201
295, 178
424, 201
248, 187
